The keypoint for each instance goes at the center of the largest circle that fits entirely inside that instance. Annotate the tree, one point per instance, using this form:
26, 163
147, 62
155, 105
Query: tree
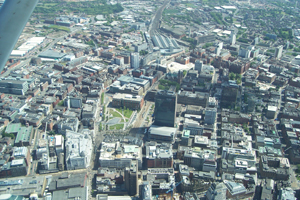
51, 133
238, 76
61, 103
143, 52
231, 76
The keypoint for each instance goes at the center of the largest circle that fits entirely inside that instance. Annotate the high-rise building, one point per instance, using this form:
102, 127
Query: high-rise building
278, 52
232, 38
134, 60
131, 179
229, 94
165, 108
210, 115
218, 51
198, 65
245, 53
256, 40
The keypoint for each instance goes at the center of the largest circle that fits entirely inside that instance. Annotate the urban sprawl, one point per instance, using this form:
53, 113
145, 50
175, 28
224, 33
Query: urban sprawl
153, 100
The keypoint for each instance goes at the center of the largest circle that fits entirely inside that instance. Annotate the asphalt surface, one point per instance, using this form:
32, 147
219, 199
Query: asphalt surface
156, 19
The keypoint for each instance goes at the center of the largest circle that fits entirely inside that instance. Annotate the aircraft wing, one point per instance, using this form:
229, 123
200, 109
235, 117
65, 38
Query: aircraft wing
14, 15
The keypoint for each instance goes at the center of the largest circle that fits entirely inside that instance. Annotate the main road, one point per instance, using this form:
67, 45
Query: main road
156, 18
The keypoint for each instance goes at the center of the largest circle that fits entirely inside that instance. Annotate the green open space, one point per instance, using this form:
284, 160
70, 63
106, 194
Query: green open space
116, 127
166, 84
96, 7
170, 11
57, 28
126, 112
116, 114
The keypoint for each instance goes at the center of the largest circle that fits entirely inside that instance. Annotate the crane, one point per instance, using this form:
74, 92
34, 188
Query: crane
173, 188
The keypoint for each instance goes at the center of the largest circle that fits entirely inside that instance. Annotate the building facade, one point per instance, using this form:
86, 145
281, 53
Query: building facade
165, 108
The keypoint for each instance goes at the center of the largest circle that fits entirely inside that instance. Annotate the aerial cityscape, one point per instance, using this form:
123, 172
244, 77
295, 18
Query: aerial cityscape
150, 100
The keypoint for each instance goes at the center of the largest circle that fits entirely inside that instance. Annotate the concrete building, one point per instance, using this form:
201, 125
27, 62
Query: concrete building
24, 136
165, 108
271, 111
198, 65
66, 186
65, 124
245, 53
21, 153
134, 60
131, 179
205, 39
116, 155
57, 143
162, 133
232, 38
194, 110
229, 94
278, 52
286, 193
161, 179
159, 155
78, 149
210, 115
190, 98
216, 191
13, 87
235, 189
203, 160
276, 168
119, 60
140, 46
72, 102
192, 124
146, 191
127, 100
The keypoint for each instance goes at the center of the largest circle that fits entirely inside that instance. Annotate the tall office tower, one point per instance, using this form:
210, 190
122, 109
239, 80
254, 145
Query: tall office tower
256, 40
278, 52
210, 115
218, 51
229, 94
134, 60
219, 45
165, 108
131, 179
232, 38
198, 65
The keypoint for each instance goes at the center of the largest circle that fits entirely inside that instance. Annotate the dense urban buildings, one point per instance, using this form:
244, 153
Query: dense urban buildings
153, 100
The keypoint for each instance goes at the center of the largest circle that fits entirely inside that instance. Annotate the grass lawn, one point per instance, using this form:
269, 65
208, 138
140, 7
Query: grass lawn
115, 114
116, 127
190, 5
170, 11
58, 28
127, 113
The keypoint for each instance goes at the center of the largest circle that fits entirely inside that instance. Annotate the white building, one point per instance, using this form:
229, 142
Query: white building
78, 149
232, 38
118, 155
278, 52
245, 53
